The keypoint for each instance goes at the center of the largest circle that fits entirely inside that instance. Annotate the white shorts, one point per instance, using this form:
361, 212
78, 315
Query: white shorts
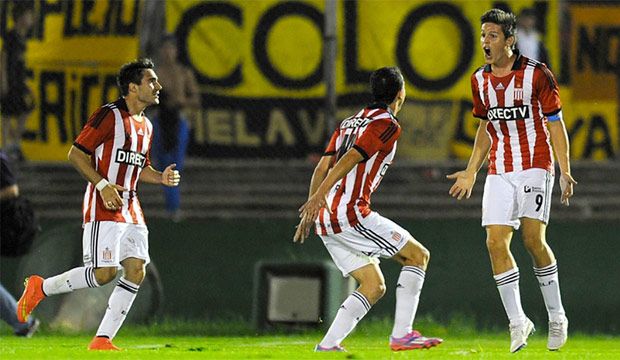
107, 243
511, 196
375, 236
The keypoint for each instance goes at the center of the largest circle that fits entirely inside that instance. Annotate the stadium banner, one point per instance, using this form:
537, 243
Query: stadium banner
74, 54
260, 68
596, 51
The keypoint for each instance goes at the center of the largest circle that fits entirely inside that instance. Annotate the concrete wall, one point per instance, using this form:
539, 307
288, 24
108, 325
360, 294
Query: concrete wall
207, 268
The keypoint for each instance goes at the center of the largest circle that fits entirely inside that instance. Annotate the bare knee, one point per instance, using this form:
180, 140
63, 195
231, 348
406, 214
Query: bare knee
135, 274
533, 243
497, 246
414, 254
373, 291
105, 275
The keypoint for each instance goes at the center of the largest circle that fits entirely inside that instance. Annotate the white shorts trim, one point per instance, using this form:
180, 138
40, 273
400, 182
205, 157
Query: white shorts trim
375, 236
107, 243
511, 196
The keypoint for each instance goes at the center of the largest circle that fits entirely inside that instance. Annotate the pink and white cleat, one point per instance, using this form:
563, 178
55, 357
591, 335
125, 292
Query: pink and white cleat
337, 348
413, 340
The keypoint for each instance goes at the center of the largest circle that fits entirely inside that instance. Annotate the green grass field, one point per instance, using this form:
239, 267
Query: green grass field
368, 342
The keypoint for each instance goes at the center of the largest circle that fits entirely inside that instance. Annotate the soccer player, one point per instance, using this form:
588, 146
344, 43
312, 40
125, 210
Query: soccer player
112, 153
518, 103
356, 159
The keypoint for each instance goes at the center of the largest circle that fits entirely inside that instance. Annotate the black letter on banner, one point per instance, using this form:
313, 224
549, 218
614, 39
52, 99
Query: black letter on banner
44, 8
260, 43
115, 11
189, 19
57, 109
588, 48
404, 38
88, 82
87, 27
108, 83
612, 36
597, 125
352, 74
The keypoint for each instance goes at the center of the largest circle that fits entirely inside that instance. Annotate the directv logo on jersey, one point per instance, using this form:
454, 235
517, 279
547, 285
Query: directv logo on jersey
509, 113
130, 158
354, 122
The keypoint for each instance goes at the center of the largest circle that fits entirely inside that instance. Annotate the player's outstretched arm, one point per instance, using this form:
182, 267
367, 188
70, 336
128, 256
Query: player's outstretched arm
310, 210
559, 139
169, 177
109, 193
465, 179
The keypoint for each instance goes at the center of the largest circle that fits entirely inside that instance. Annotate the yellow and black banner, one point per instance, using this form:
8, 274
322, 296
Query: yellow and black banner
261, 72
74, 53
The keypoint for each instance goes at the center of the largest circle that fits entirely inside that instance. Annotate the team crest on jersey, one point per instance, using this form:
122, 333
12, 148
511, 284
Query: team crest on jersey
396, 236
107, 254
518, 94
130, 158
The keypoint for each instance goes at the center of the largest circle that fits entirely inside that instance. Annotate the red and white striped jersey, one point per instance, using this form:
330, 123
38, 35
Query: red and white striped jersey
517, 106
373, 132
120, 147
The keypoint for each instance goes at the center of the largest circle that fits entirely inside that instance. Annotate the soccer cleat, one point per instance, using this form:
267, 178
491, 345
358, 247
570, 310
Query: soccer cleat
558, 333
33, 294
102, 343
519, 334
337, 348
413, 340
30, 330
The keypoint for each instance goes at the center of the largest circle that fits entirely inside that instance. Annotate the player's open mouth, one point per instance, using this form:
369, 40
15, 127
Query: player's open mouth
487, 52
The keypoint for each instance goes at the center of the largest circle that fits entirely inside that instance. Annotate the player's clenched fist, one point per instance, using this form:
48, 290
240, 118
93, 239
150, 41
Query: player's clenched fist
170, 176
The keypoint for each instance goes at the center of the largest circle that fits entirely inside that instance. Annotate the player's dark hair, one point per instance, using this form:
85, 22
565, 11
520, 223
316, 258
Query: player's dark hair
385, 83
507, 20
132, 73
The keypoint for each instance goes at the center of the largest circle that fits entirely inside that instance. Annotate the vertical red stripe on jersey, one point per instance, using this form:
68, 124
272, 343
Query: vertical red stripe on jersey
134, 175
322, 221
87, 216
507, 148
524, 145
351, 215
334, 216
376, 166
541, 148
493, 152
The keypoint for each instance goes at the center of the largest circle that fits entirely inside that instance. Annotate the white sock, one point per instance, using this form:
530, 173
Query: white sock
550, 287
408, 291
508, 286
74, 279
118, 306
350, 313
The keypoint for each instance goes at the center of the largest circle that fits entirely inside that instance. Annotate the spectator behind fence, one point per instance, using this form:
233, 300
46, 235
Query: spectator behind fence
18, 231
530, 42
179, 97
16, 100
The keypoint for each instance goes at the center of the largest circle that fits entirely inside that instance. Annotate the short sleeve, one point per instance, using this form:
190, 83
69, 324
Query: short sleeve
98, 129
379, 134
479, 110
548, 90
